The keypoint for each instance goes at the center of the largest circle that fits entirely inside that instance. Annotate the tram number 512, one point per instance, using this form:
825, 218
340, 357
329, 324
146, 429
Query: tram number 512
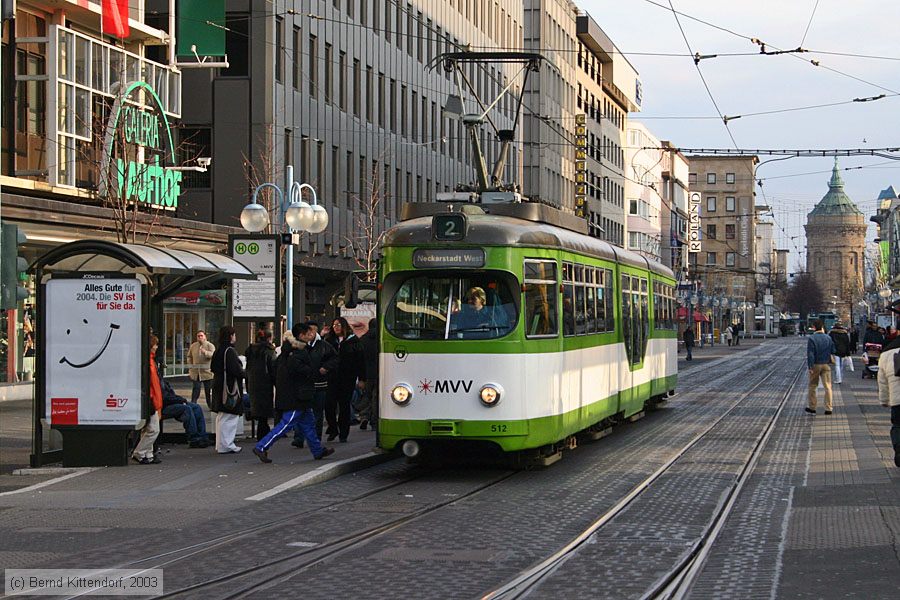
499, 428
449, 227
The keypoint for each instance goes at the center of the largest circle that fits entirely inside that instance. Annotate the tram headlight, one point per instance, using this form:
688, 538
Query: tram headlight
401, 394
490, 394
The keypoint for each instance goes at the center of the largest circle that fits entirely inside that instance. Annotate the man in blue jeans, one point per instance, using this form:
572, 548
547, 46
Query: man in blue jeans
322, 352
294, 394
188, 413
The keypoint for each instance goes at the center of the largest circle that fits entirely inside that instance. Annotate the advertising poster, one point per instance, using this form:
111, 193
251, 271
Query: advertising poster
93, 356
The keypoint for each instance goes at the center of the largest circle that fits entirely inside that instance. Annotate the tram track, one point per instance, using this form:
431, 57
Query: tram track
306, 558
676, 582
302, 560
297, 562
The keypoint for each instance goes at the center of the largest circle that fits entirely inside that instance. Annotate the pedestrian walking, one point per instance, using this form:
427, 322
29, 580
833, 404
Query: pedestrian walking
199, 355
736, 330
854, 339
227, 374
729, 334
873, 335
260, 357
841, 340
294, 390
688, 337
819, 356
889, 390
321, 353
368, 412
143, 453
350, 370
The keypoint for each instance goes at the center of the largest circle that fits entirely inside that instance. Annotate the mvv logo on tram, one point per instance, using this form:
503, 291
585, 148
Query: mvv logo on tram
445, 386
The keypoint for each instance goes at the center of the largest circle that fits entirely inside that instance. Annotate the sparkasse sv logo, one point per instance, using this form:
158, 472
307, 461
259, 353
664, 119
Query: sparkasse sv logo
116, 403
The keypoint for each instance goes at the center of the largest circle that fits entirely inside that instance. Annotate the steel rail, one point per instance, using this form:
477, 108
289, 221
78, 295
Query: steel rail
677, 583
199, 547
328, 549
529, 579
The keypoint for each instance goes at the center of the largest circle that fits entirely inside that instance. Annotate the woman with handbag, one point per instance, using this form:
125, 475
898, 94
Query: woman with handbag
227, 392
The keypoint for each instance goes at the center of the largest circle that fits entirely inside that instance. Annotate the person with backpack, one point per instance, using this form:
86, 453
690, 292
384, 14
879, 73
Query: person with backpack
842, 349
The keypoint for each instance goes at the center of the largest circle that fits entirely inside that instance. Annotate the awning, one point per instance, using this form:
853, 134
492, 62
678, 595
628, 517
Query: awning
177, 270
682, 315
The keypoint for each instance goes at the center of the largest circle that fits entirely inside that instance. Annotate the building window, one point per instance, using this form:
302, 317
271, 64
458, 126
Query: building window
328, 73
710, 178
711, 204
357, 86
729, 232
279, 49
370, 92
710, 232
711, 258
392, 110
381, 111
729, 203
729, 178
313, 67
414, 131
295, 62
403, 110
729, 259
342, 81
692, 178
237, 45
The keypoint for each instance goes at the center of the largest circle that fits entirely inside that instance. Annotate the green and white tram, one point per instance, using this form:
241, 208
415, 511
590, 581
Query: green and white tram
506, 324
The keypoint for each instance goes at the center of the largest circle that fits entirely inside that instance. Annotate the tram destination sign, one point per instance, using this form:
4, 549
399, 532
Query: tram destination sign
259, 298
441, 258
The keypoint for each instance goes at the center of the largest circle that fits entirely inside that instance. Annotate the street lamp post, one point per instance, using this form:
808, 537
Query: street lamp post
297, 215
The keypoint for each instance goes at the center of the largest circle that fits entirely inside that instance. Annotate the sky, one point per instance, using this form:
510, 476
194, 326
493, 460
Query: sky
672, 87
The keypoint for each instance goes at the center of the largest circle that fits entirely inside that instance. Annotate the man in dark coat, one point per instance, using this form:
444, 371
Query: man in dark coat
369, 409
293, 395
260, 380
688, 338
324, 360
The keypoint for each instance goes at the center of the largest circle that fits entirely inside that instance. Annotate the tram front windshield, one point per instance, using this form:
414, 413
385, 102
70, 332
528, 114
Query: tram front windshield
454, 306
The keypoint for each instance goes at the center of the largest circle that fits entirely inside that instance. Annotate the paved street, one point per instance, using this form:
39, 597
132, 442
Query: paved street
818, 516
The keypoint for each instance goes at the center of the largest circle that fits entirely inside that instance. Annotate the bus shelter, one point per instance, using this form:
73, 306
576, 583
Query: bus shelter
97, 304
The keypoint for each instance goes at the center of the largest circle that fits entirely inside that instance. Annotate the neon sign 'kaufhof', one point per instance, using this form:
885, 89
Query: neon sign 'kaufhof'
146, 149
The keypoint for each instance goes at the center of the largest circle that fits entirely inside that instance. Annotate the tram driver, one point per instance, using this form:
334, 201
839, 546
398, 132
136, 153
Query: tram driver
476, 320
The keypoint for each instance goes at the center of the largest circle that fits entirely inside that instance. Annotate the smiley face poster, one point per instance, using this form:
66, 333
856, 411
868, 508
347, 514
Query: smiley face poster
93, 358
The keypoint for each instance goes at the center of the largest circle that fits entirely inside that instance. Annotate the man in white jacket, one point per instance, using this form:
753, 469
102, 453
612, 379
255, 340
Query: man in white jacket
889, 393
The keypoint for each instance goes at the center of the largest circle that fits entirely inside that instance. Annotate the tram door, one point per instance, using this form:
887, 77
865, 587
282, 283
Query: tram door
635, 334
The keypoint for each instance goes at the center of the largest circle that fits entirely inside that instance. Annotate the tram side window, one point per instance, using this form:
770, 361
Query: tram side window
626, 315
580, 324
608, 306
645, 317
568, 294
540, 298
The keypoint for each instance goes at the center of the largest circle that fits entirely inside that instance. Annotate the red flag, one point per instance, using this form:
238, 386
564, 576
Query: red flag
115, 18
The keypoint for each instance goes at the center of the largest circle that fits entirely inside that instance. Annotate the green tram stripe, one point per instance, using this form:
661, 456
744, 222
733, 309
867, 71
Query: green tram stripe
525, 433
502, 258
